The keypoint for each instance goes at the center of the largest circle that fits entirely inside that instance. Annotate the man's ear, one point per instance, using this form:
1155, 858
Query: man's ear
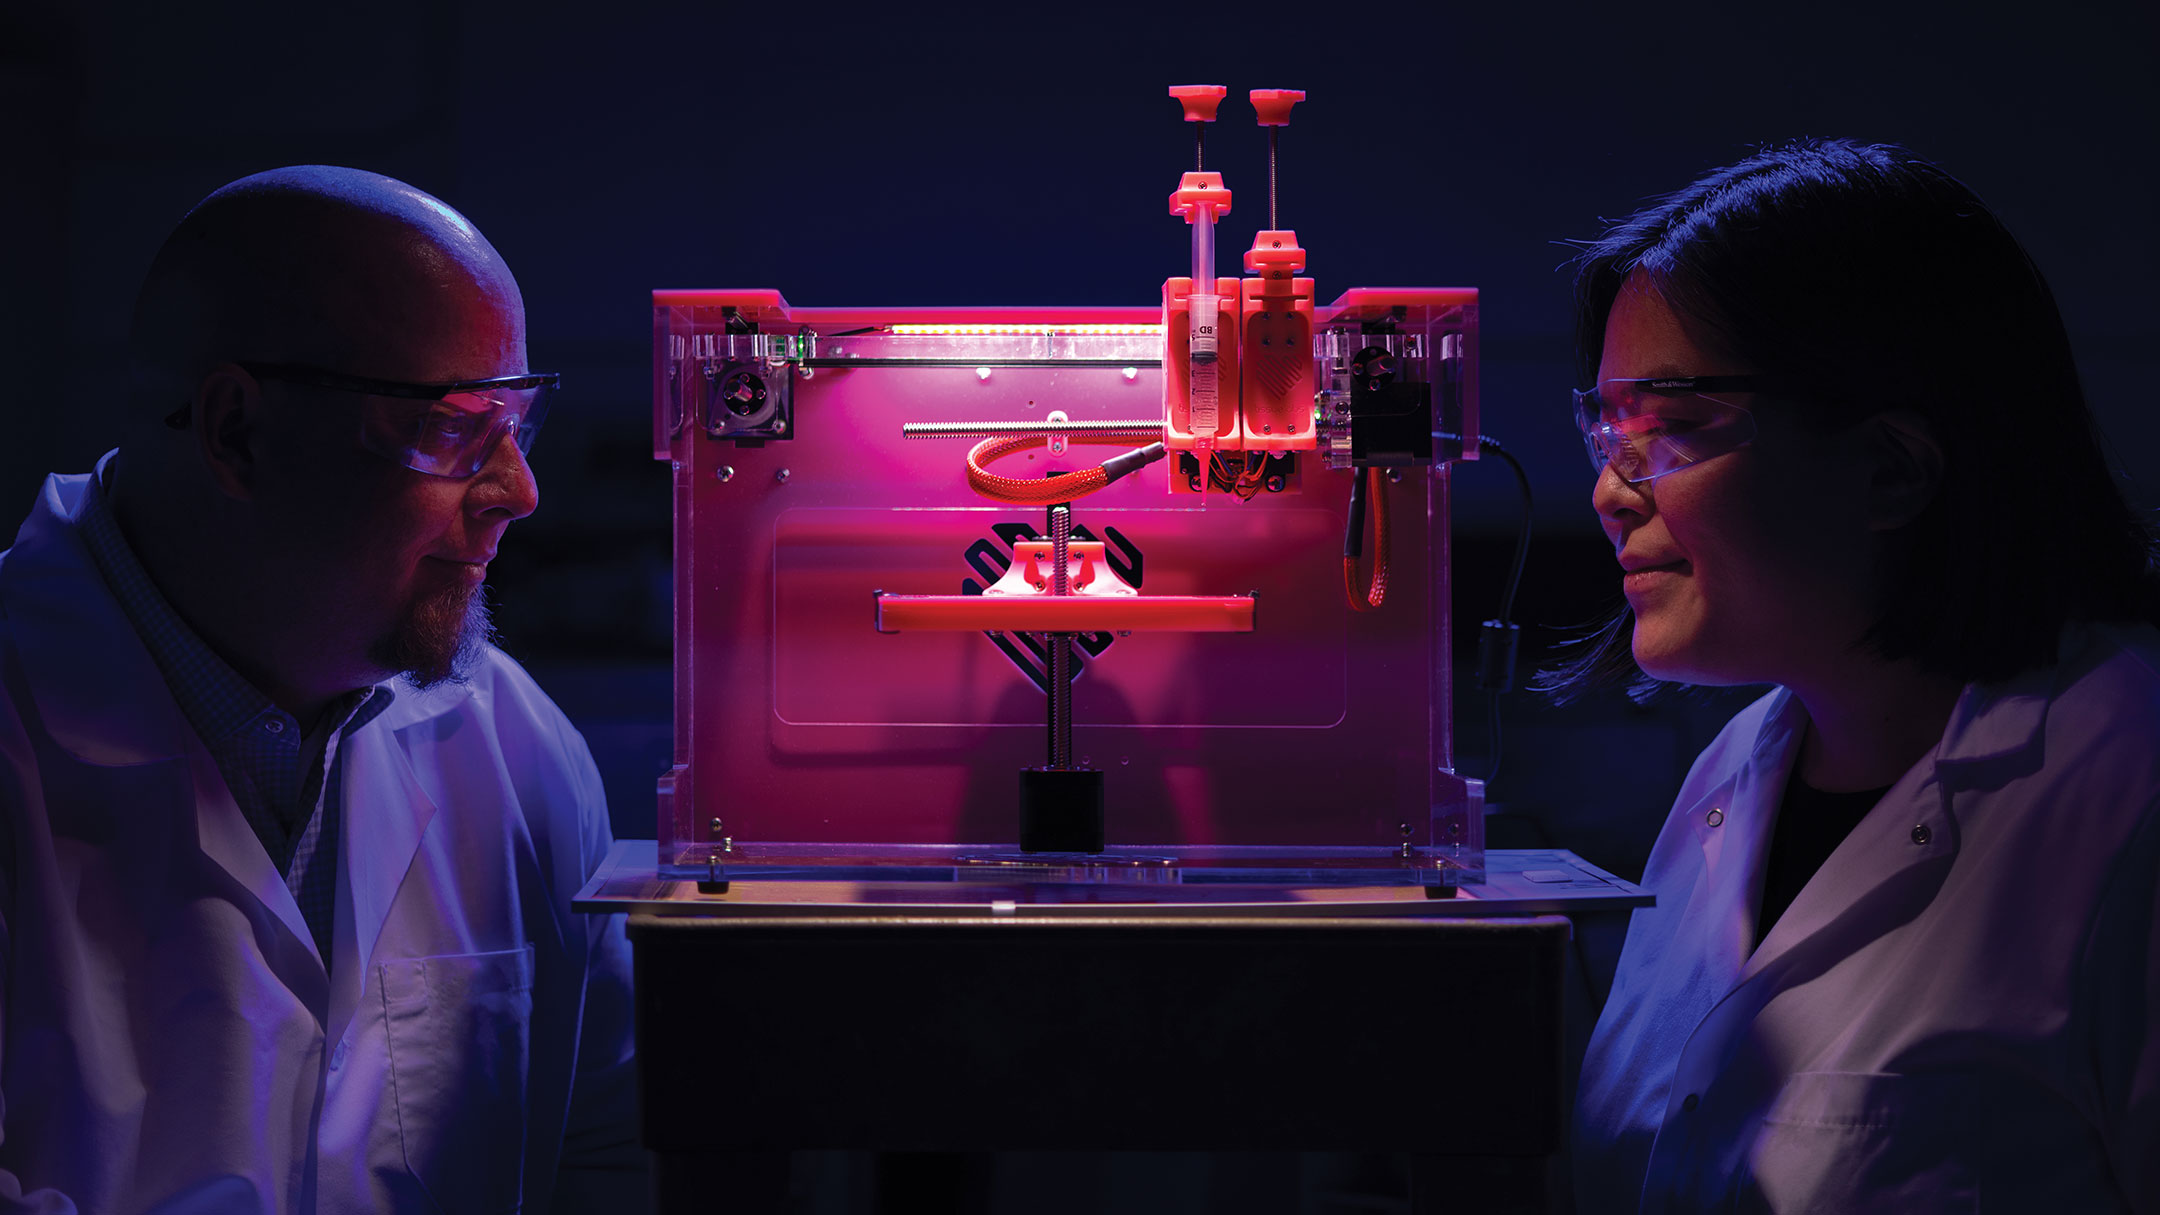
228, 423
1906, 468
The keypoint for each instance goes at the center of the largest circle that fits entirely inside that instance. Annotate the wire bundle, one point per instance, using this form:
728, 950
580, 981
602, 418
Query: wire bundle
1374, 593
1043, 491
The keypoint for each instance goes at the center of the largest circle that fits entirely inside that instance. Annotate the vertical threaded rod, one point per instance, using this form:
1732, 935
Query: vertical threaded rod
1272, 225
1060, 643
1060, 546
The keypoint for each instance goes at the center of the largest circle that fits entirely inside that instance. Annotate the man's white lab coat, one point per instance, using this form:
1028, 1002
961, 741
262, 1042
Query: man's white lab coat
1957, 1013
169, 1038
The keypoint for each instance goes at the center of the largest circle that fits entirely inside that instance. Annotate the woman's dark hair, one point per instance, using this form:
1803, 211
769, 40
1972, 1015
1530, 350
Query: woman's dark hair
1859, 278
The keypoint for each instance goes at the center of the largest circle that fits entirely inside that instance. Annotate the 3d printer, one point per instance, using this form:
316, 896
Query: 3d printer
925, 629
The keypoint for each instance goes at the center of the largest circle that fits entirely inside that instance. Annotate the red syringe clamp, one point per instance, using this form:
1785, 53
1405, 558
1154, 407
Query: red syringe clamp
1200, 100
1273, 105
1198, 191
1275, 256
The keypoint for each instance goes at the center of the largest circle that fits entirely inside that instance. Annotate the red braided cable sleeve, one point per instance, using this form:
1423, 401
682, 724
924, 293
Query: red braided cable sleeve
1364, 599
1039, 491
1377, 488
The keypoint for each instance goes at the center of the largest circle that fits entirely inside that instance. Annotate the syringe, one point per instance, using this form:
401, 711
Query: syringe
1203, 311
1201, 200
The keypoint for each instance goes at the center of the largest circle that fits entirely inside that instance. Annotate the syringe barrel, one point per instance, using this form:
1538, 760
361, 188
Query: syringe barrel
1203, 250
1203, 316
1202, 350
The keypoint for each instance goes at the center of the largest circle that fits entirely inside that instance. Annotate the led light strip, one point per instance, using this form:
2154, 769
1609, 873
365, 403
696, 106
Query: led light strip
1026, 330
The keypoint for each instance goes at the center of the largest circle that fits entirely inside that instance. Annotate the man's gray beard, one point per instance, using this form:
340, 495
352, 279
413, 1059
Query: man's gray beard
441, 638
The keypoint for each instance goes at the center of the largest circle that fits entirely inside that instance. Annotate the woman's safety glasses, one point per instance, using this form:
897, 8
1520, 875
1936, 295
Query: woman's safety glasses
1647, 428
443, 430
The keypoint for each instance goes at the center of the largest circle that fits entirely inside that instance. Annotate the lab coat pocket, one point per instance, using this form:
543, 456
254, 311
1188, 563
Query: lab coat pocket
1854, 1143
459, 1030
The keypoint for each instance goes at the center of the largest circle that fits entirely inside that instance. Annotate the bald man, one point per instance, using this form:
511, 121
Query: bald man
286, 846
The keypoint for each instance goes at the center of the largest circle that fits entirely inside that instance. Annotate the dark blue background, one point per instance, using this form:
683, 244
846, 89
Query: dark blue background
1022, 154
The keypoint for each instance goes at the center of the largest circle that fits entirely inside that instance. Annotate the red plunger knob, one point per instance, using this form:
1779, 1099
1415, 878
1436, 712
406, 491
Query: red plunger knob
1200, 100
1273, 105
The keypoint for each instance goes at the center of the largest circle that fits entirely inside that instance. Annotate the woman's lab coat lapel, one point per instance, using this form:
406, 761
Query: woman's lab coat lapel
1732, 825
1898, 854
1879, 879
1881, 875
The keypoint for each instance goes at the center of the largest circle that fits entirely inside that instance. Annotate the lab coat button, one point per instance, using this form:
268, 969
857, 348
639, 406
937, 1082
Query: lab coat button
1715, 816
274, 726
1689, 1102
337, 1057
1920, 834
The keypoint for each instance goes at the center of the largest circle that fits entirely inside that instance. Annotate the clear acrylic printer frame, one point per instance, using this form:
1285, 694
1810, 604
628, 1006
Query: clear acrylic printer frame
1314, 750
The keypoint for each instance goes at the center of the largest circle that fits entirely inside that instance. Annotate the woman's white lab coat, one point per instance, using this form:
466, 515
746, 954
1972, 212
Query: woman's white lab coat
1958, 1013
170, 1040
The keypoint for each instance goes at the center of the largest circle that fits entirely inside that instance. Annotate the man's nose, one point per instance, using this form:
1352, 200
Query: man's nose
505, 485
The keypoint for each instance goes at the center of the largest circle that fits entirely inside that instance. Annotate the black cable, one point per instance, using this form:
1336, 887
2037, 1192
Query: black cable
1486, 443
1522, 530
1498, 639
1492, 726
1353, 540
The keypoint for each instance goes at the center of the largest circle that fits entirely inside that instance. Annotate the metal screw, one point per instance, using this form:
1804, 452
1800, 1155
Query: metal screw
1404, 828
1407, 852
781, 476
1395, 475
1275, 485
1193, 483
716, 828
1454, 827
727, 844
724, 472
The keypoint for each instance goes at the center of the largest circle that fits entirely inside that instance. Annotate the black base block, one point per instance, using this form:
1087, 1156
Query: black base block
1061, 810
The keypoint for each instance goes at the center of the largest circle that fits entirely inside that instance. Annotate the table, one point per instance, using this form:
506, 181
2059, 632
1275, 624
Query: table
782, 1016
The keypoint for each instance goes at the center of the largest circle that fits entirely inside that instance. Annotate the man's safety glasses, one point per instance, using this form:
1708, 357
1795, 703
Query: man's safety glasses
443, 430
1647, 428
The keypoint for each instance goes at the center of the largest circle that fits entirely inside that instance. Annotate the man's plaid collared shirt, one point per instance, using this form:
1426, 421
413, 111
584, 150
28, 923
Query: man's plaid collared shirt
292, 799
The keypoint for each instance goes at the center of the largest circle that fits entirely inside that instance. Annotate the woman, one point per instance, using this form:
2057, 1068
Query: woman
1903, 956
